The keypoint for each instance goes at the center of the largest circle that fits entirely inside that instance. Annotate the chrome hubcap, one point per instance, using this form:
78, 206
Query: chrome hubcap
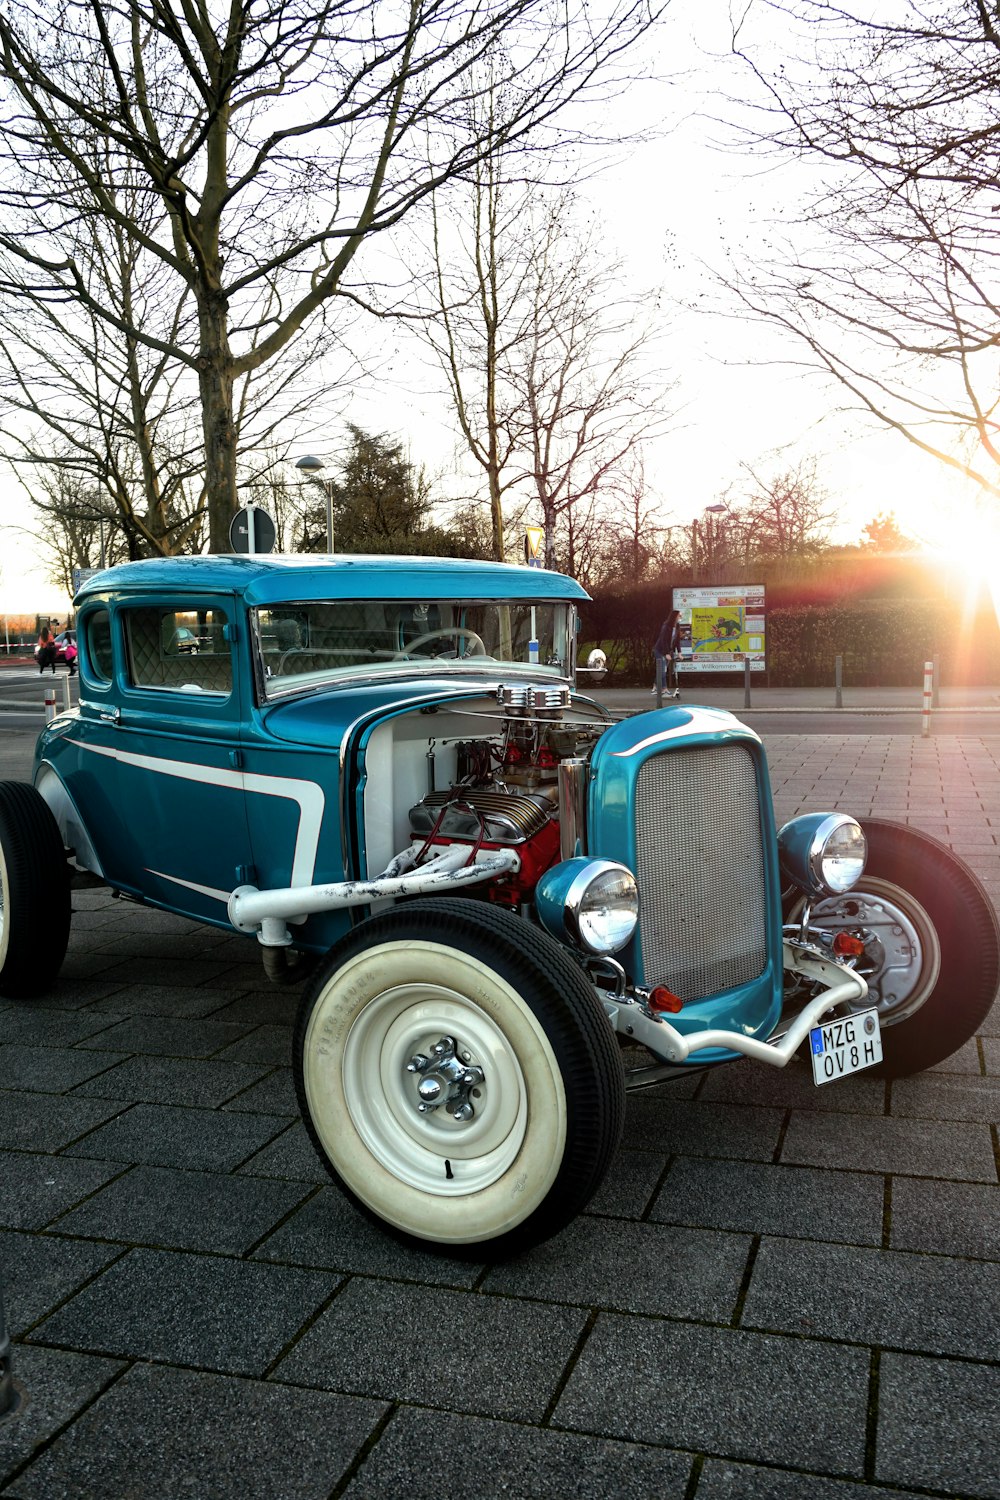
445, 1079
902, 957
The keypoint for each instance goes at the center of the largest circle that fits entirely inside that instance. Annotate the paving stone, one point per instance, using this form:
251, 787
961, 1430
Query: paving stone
239, 977
73, 992
516, 1353
41, 1270
164, 1136
274, 1095
546, 1464
47, 1122
942, 1096
686, 1273
292, 1156
951, 1218
208, 1435
37, 1187
793, 1088
991, 1054
200, 942
150, 970
52, 1070
938, 1425
171, 1080
49, 1028
628, 1185
991, 1025
696, 1129
863, 1144
965, 1060
56, 1385
84, 965
267, 1044
928, 1303
721, 1391
329, 1232
231, 1316
168, 1000
763, 1199
722, 1481
274, 1007
170, 1036
175, 1210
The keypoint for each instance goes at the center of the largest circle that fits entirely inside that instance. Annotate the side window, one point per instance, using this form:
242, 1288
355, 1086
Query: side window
183, 650
97, 645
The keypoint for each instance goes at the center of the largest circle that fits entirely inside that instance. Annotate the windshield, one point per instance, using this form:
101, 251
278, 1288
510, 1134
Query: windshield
306, 643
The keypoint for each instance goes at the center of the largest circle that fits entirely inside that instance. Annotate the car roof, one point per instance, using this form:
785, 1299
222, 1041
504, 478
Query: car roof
276, 578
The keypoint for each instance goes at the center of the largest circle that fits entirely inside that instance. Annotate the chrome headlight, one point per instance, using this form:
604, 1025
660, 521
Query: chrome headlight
592, 903
824, 853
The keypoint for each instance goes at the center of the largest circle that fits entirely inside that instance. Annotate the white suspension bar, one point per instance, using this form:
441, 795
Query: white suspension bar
673, 1046
268, 912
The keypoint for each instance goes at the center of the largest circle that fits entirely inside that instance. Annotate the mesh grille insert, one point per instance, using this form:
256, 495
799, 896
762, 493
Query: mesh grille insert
700, 868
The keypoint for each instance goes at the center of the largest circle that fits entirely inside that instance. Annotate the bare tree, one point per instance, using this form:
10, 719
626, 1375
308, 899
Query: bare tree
275, 138
547, 360
889, 281
779, 517
75, 526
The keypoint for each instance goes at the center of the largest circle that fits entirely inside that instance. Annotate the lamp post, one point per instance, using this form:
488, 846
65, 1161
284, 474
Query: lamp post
710, 510
313, 467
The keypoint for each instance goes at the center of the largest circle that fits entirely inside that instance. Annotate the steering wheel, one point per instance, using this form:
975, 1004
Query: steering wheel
449, 632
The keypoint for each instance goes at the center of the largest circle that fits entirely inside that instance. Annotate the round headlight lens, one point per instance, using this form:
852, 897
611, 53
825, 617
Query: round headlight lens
839, 854
606, 909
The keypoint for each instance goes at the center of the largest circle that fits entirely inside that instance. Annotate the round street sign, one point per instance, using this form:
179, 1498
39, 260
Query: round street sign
263, 530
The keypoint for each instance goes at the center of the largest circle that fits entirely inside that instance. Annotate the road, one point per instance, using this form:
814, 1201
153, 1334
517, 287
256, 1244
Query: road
22, 694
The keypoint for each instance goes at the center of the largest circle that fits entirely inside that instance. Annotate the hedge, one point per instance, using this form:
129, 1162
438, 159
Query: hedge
883, 642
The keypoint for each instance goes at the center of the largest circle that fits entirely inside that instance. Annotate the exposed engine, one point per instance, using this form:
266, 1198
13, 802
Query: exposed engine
506, 790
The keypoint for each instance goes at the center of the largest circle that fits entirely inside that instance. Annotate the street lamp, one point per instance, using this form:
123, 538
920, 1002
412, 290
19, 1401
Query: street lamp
313, 467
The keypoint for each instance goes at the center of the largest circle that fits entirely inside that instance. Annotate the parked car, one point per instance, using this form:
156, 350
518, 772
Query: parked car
512, 909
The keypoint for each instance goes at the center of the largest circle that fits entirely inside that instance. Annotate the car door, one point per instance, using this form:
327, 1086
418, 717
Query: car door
176, 749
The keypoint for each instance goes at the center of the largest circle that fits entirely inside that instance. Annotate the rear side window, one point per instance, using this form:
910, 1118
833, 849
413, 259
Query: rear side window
182, 650
97, 645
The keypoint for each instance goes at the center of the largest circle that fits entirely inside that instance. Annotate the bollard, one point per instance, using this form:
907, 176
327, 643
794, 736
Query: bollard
936, 697
925, 723
746, 682
50, 702
67, 700
838, 677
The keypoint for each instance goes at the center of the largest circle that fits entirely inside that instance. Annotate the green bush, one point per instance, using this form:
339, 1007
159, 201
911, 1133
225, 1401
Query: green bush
883, 642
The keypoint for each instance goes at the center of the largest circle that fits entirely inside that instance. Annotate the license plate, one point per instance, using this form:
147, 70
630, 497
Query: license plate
845, 1046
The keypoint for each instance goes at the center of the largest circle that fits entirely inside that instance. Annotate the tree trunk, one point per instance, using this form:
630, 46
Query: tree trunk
215, 381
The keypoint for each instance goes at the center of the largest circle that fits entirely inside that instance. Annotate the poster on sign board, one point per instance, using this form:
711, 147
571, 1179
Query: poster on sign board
721, 627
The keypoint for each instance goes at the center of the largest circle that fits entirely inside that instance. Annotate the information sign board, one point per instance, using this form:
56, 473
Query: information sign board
721, 628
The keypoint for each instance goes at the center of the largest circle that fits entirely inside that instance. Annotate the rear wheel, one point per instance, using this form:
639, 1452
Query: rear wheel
932, 945
459, 1078
34, 893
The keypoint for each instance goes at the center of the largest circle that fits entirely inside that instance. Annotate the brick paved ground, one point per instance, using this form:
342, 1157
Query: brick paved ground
779, 1292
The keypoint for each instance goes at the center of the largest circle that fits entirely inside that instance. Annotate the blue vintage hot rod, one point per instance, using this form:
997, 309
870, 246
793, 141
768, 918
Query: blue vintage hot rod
508, 907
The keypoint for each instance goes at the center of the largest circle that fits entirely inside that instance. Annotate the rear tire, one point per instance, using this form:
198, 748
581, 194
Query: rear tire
526, 1093
34, 893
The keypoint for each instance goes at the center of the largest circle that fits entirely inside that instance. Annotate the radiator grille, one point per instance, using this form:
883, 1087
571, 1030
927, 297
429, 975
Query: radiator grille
700, 868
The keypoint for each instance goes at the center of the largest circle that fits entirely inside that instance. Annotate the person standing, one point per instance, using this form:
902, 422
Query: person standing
45, 651
666, 649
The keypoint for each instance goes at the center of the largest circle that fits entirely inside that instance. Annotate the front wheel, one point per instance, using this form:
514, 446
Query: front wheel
932, 945
459, 1078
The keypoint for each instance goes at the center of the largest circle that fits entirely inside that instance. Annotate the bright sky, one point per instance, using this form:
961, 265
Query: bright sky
670, 208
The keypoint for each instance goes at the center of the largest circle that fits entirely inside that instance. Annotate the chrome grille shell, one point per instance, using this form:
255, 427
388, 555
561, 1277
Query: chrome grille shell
701, 871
